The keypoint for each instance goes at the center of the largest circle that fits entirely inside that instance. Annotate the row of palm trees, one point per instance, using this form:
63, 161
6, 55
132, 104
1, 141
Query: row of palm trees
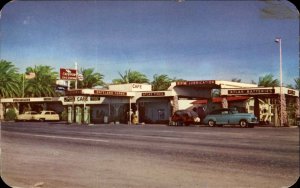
15, 84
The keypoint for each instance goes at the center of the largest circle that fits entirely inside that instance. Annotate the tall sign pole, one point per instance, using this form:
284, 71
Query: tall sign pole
76, 75
278, 40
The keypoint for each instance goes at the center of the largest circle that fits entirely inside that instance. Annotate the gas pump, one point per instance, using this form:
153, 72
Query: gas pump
78, 115
86, 115
70, 114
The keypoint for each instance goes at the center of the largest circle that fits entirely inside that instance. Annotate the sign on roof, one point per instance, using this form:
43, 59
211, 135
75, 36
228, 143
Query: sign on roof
199, 82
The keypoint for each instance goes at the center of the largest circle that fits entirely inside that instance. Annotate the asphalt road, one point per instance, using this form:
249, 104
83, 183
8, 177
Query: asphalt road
49, 154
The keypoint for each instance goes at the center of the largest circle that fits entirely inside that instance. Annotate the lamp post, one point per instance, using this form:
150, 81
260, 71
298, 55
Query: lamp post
278, 40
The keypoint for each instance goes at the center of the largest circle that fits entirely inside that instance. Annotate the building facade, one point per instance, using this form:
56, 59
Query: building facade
119, 103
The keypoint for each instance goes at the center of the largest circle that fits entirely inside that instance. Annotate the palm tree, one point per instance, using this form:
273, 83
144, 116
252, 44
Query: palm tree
43, 84
131, 77
90, 79
268, 81
236, 80
161, 82
9, 80
297, 81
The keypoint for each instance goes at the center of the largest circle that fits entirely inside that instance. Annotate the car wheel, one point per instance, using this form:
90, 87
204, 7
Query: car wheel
243, 123
211, 123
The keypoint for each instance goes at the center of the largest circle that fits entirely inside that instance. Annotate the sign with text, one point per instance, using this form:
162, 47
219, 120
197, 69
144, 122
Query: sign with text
153, 94
74, 92
199, 82
111, 93
68, 74
250, 91
291, 92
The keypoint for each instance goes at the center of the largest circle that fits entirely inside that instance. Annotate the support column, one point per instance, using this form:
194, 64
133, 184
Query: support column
297, 107
1, 112
283, 112
175, 104
256, 108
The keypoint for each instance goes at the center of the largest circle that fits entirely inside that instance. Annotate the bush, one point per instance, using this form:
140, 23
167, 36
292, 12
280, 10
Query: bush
10, 115
64, 115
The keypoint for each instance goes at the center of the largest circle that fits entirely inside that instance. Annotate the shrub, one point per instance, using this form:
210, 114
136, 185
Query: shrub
10, 115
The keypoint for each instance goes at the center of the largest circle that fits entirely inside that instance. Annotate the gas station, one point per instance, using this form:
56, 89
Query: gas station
119, 102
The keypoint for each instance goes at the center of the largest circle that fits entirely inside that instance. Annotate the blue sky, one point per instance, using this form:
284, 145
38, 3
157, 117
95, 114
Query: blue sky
192, 40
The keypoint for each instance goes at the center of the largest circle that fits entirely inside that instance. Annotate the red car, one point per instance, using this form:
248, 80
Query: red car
184, 117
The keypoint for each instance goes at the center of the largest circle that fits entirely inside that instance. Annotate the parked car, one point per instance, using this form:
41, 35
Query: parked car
46, 115
26, 116
230, 117
184, 117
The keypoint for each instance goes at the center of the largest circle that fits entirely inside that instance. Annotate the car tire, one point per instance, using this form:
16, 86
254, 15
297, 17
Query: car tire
211, 123
243, 123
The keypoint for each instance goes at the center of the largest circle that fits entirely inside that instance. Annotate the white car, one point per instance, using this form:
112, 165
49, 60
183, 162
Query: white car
27, 116
46, 115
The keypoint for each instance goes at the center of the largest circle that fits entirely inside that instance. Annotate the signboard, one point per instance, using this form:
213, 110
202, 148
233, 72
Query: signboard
250, 91
199, 82
112, 93
153, 94
74, 92
291, 92
68, 74
69, 99
80, 77
22, 100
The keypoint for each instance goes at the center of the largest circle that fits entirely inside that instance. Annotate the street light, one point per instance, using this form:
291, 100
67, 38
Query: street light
278, 40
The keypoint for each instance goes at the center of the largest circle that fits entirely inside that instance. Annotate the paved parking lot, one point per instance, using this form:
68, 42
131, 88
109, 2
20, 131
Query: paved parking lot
60, 155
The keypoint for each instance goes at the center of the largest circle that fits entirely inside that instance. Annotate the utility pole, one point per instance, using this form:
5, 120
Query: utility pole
278, 40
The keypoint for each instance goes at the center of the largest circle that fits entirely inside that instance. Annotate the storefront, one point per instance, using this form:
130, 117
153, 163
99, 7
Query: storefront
269, 105
154, 106
118, 103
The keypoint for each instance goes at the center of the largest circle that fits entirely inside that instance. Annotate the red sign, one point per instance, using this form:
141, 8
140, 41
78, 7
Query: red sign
198, 82
112, 93
68, 74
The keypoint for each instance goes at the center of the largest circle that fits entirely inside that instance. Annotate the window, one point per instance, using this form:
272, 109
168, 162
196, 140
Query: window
225, 112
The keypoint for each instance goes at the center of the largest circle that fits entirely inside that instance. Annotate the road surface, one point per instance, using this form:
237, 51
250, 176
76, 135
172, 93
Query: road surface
47, 154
